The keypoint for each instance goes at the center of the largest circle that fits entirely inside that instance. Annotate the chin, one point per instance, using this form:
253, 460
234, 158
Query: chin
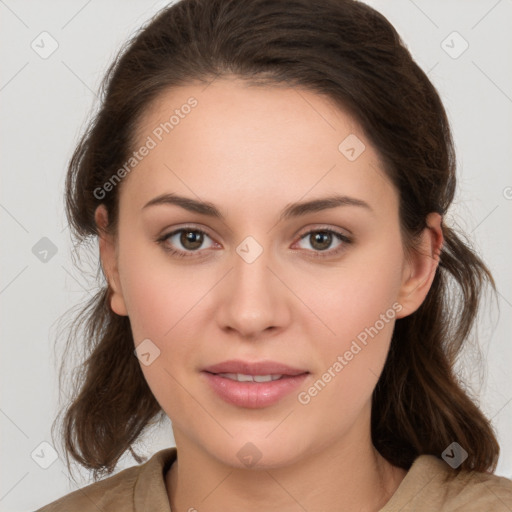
257, 452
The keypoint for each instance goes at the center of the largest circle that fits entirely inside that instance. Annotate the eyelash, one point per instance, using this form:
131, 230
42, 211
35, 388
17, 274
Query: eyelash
315, 254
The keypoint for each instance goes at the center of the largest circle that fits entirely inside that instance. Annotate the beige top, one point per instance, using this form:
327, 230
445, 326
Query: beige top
142, 489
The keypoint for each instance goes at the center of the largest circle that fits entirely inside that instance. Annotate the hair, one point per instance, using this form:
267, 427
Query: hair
350, 54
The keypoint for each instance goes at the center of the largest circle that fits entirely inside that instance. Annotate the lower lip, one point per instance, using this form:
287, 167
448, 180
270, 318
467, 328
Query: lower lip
253, 395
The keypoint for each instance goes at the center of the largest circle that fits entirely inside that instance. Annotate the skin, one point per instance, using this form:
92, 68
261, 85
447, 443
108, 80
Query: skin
251, 151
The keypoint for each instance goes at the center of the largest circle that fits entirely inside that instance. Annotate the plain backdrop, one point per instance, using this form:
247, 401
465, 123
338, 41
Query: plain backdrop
465, 46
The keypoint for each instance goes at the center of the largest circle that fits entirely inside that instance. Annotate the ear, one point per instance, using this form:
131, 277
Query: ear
420, 267
108, 255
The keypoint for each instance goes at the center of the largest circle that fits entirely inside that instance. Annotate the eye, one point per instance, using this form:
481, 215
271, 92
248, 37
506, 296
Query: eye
187, 240
321, 241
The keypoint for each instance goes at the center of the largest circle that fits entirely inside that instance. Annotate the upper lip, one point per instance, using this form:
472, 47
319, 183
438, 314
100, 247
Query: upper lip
255, 368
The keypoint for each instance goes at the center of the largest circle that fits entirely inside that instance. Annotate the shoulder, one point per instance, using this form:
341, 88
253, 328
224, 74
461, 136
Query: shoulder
120, 492
431, 484
475, 491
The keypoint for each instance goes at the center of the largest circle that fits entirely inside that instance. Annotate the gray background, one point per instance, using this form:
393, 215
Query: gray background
45, 103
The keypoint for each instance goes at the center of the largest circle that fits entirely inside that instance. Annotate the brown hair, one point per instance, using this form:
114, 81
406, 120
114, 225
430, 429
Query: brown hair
350, 53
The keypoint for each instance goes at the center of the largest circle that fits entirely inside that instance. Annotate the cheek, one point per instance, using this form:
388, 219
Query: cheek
162, 301
358, 304
159, 295
353, 296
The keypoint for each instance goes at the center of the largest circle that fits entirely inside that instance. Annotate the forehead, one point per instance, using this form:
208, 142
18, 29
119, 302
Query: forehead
255, 142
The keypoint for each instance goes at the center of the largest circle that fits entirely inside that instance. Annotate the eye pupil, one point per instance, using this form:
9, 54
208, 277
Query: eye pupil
191, 239
321, 236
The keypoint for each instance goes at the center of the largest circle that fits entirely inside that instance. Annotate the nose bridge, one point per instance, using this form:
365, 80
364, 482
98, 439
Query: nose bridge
253, 301
251, 274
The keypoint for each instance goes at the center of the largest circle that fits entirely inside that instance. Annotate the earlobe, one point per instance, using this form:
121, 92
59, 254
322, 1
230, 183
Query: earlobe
109, 261
420, 269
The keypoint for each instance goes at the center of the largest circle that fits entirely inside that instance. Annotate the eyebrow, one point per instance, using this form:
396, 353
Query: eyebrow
290, 211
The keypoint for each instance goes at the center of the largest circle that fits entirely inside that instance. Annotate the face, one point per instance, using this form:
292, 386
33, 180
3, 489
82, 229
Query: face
317, 289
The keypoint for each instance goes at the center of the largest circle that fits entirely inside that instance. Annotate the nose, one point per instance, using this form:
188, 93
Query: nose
253, 300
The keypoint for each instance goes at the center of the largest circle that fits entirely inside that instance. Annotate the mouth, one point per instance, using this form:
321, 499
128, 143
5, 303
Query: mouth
251, 369
253, 385
241, 377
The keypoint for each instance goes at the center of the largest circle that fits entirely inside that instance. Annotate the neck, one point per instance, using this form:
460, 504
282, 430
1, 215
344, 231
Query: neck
348, 477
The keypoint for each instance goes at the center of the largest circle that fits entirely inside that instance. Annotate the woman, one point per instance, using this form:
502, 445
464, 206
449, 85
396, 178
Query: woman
268, 182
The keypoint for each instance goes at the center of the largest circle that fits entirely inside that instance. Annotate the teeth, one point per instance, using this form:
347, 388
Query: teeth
240, 377
262, 378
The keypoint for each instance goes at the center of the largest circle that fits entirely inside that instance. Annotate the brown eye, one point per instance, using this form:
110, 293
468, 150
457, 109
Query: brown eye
191, 240
321, 240
185, 242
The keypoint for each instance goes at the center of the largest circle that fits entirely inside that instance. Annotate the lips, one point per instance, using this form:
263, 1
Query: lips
257, 368
253, 385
